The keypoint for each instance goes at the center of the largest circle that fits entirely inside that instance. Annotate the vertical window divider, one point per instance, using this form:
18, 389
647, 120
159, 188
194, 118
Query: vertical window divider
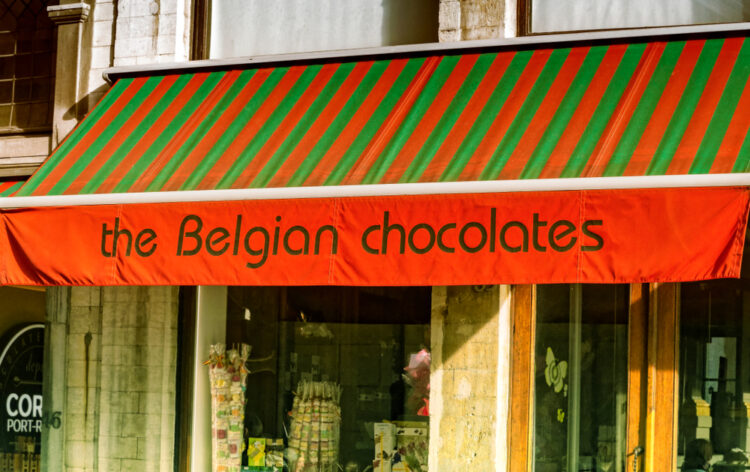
663, 373
637, 378
574, 375
521, 413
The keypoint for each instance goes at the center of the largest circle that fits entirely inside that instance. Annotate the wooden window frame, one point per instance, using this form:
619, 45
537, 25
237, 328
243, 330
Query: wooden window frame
200, 30
653, 370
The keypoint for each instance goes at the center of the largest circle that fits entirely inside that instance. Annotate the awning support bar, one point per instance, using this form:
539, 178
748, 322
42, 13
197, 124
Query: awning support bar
430, 188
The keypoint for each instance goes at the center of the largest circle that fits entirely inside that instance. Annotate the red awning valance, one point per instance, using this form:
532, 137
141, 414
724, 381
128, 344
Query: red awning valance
587, 236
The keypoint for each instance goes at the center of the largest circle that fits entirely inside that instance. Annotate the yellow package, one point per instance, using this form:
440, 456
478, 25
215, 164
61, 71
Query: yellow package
256, 452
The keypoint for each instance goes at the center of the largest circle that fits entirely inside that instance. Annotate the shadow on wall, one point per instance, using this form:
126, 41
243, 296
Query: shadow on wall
469, 327
409, 22
82, 107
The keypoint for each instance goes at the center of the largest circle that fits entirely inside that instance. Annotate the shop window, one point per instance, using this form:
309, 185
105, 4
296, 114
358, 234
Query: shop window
580, 378
714, 375
27, 65
338, 377
257, 27
548, 16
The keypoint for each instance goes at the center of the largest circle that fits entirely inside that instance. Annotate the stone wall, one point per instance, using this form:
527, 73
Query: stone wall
464, 378
117, 393
149, 31
462, 20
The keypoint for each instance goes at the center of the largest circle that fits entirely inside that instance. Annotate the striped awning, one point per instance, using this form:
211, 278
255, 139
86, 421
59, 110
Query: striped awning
8, 188
645, 108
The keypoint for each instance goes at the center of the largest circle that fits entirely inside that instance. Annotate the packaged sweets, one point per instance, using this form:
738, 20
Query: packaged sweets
315, 427
227, 374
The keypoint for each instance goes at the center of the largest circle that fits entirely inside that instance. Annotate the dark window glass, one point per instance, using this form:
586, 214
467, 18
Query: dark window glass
27, 65
580, 383
714, 375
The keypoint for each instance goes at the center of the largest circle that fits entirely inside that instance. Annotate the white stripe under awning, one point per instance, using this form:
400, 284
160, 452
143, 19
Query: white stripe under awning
431, 188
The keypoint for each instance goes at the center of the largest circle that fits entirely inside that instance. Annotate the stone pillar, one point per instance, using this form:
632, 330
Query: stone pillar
137, 378
111, 372
53, 388
71, 63
462, 20
464, 383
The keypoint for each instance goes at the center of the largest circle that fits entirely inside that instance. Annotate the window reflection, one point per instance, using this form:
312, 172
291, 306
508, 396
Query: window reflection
580, 399
714, 383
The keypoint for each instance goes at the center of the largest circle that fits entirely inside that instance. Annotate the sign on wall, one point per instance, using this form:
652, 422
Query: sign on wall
21, 359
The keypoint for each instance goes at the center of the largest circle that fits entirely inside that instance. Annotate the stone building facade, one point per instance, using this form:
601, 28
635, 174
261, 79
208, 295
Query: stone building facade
113, 353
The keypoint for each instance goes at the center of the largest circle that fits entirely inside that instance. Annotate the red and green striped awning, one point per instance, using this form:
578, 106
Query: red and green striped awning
8, 188
647, 108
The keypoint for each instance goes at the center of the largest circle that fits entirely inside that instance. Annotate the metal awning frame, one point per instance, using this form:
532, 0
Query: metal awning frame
346, 191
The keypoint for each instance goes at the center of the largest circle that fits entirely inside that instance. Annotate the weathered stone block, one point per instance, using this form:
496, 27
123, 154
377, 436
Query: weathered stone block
104, 11
109, 465
449, 15
133, 465
102, 34
84, 296
125, 402
143, 27
75, 453
75, 426
133, 424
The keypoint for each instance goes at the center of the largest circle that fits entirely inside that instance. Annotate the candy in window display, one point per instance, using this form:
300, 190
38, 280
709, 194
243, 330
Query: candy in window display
227, 374
315, 427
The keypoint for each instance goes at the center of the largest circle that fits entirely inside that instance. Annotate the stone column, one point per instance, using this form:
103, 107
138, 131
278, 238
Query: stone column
110, 370
71, 66
53, 386
462, 20
467, 396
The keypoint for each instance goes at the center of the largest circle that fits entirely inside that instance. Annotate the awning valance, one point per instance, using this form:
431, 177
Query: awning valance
589, 110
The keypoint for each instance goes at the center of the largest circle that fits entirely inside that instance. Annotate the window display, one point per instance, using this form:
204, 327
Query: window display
337, 377
227, 374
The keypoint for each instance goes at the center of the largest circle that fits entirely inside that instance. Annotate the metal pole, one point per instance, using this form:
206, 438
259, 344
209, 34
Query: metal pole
574, 377
344, 191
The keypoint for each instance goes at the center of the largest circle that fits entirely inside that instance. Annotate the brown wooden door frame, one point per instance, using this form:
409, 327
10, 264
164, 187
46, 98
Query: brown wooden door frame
523, 316
663, 373
653, 362
637, 373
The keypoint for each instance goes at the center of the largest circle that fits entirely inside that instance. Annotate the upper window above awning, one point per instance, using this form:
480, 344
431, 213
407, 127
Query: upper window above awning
644, 108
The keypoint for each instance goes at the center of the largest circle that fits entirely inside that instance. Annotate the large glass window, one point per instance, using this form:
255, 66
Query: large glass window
256, 27
549, 16
580, 378
338, 377
714, 375
27, 65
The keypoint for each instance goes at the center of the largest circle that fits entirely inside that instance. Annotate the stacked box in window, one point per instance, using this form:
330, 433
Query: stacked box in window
227, 374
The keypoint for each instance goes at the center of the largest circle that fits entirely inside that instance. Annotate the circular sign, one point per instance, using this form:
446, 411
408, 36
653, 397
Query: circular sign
21, 389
